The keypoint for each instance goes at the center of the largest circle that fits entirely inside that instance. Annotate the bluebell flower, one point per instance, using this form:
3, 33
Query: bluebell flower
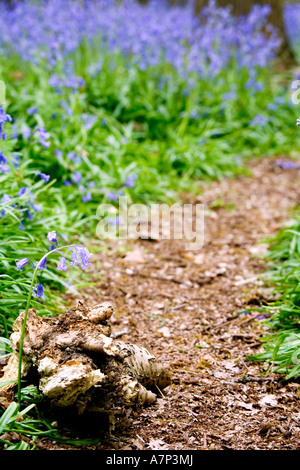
86, 197
75, 260
42, 264
88, 121
25, 131
71, 155
35, 207
45, 177
130, 181
22, 191
32, 110
114, 220
54, 81
84, 255
52, 236
272, 106
58, 153
258, 121
76, 177
29, 215
38, 290
286, 165
20, 264
230, 95
111, 196
4, 117
14, 132
16, 160
43, 137
5, 198
4, 168
62, 264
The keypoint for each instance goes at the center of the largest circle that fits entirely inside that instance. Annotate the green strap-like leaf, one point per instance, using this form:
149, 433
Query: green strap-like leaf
2, 92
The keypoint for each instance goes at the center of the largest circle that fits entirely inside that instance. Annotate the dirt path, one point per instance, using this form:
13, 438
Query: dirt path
182, 306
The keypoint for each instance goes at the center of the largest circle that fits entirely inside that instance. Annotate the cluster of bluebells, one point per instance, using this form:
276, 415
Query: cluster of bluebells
292, 23
287, 164
68, 79
80, 256
26, 205
49, 31
41, 135
4, 117
129, 183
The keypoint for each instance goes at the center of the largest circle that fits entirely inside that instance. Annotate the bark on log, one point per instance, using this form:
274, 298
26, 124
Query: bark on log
79, 366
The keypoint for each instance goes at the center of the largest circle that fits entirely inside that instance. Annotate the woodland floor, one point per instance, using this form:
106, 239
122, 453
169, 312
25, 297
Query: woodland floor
182, 306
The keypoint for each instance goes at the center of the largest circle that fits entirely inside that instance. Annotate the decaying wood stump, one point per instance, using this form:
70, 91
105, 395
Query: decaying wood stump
78, 364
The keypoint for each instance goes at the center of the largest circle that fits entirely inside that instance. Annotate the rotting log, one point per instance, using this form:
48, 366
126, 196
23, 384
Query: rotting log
79, 366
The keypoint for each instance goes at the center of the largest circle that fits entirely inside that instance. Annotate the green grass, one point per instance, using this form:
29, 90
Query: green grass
282, 343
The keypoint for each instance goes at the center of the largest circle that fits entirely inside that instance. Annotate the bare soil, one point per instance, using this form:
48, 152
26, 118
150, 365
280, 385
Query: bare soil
182, 305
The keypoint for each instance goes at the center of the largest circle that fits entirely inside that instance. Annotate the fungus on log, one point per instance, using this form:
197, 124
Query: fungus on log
78, 364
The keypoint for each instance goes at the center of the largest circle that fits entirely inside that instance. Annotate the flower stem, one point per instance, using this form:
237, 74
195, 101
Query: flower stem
26, 315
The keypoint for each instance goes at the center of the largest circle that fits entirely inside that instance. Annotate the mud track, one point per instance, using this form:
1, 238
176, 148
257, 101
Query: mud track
182, 306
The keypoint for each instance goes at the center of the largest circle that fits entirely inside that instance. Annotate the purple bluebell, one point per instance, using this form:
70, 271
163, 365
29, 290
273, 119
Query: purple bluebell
75, 260
43, 137
32, 110
38, 290
76, 177
16, 160
5, 199
85, 255
112, 196
130, 181
258, 121
52, 236
22, 191
29, 215
286, 165
4, 118
20, 264
45, 177
4, 168
42, 264
71, 155
62, 264
88, 121
114, 220
86, 197
25, 131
